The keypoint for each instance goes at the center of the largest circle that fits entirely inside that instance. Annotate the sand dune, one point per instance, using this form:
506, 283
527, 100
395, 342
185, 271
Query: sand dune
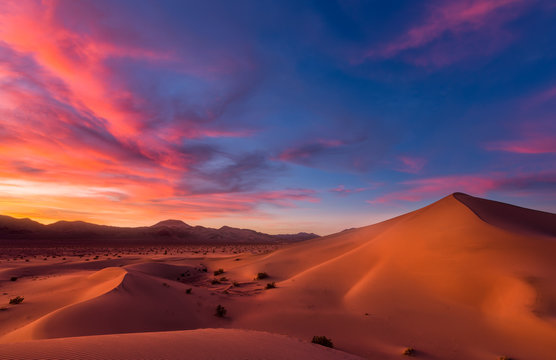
459, 279
196, 344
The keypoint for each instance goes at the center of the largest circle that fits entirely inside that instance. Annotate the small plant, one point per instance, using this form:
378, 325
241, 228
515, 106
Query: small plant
221, 311
188, 291
409, 351
261, 275
223, 278
271, 285
235, 283
13, 278
16, 300
218, 272
322, 340
215, 282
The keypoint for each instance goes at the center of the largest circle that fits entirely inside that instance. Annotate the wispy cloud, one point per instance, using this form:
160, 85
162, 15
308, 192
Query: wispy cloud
443, 35
479, 185
411, 164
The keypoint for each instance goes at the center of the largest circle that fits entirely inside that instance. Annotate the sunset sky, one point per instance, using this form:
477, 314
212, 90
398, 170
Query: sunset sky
280, 116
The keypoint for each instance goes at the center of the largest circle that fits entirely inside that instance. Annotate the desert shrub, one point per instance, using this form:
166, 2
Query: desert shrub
261, 275
271, 285
235, 283
221, 311
322, 340
13, 278
215, 282
16, 300
188, 291
223, 278
218, 272
505, 358
409, 351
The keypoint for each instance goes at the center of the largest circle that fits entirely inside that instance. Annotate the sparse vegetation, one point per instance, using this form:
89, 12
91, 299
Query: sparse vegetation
215, 282
218, 272
16, 300
261, 275
188, 291
221, 311
13, 278
235, 283
505, 358
223, 278
409, 351
271, 285
322, 340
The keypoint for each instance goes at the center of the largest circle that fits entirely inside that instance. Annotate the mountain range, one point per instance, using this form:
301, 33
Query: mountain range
25, 232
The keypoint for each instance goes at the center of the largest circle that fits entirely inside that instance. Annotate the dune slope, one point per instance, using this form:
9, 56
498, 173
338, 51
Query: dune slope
196, 344
439, 279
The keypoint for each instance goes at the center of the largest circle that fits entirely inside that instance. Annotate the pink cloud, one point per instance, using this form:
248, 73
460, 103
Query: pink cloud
77, 121
436, 187
342, 190
543, 144
417, 190
412, 165
456, 18
531, 137
306, 151
540, 97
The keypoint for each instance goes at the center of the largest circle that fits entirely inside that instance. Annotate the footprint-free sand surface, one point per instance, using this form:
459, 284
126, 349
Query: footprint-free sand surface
463, 278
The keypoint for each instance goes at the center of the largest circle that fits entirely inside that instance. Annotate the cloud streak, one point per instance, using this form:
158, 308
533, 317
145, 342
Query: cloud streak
434, 40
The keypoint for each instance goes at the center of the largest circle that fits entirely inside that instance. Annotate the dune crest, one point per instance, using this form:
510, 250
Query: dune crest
510, 217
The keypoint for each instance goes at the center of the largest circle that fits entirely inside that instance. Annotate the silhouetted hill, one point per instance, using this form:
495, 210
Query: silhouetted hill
25, 232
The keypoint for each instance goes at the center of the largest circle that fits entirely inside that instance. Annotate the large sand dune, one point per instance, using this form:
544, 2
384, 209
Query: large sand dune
463, 278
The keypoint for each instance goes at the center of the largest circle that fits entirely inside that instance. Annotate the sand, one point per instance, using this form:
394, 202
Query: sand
194, 344
463, 278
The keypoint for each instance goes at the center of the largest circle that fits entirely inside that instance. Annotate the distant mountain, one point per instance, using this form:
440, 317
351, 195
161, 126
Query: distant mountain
26, 232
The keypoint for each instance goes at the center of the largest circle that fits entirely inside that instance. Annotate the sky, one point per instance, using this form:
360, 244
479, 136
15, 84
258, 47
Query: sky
279, 116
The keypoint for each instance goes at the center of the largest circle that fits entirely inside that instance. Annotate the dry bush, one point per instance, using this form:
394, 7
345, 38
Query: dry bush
16, 300
322, 340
